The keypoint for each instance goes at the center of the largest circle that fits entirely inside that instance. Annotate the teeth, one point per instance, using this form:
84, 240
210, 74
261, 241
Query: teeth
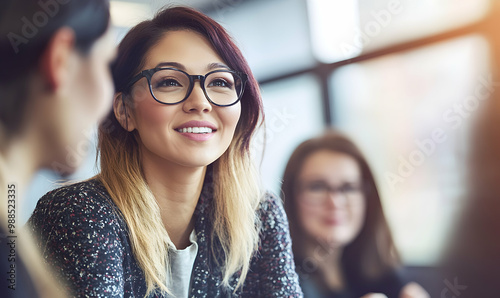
195, 130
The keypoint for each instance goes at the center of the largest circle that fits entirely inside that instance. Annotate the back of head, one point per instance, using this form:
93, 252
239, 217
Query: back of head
26, 27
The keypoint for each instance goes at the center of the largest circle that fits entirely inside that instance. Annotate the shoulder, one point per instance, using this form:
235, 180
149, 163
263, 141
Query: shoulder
90, 188
274, 230
77, 203
270, 204
81, 234
273, 267
88, 195
271, 213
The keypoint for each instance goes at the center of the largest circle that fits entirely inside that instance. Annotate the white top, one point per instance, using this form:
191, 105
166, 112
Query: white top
181, 266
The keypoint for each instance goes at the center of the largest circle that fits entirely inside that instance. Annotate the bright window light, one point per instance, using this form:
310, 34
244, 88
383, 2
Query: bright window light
128, 14
335, 33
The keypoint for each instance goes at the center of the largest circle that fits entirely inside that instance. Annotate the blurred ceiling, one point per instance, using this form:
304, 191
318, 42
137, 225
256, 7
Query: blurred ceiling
127, 13
203, 5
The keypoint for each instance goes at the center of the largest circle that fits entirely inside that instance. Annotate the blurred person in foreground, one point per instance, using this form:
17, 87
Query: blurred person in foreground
341, 240
472, 260
55, 85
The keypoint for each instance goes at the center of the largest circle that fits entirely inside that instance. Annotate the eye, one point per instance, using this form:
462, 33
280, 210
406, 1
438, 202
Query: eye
220, 83
349, 188
316, 187
167, 83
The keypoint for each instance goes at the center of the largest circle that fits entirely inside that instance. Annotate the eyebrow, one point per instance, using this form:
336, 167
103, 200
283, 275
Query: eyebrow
212, 66
171, 64
180, 66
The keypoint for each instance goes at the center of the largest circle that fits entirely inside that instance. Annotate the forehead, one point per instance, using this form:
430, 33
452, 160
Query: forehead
330, 165
186, 47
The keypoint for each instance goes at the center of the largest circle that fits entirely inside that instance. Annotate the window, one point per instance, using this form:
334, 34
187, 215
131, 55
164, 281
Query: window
410, 113
390, 73
294, 113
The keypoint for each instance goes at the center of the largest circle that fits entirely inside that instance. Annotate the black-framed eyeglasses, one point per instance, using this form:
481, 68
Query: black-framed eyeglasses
318, 192
172, 86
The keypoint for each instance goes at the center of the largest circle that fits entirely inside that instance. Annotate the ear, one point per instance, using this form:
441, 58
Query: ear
122, 112
55, 60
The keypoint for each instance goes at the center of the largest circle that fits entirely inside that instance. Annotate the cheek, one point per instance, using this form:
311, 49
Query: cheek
358, 216
230, 117
308, 218
150, 116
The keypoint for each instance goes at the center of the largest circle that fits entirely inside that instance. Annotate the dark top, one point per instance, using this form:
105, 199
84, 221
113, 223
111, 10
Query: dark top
390, 285
83, 234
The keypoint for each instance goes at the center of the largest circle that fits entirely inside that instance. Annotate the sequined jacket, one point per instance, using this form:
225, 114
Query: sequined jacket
84, 237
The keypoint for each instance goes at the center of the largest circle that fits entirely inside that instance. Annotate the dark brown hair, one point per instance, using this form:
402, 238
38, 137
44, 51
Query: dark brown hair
371, 254
25, 29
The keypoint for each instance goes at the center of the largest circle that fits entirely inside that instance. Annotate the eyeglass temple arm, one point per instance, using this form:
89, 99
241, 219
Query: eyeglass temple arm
145, 73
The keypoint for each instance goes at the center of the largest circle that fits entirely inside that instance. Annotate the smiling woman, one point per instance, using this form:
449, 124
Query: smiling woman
342, 243
177, 209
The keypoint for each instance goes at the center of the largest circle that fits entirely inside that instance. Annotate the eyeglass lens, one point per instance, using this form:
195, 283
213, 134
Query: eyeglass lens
317, 192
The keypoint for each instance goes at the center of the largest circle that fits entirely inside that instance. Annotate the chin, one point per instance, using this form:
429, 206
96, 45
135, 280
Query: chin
65, 162
198, 158
63, 170
197, 163
338, 239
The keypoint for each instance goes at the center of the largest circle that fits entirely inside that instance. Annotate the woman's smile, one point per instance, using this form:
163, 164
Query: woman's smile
197, 130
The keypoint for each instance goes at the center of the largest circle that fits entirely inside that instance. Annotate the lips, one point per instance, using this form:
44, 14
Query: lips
335, 219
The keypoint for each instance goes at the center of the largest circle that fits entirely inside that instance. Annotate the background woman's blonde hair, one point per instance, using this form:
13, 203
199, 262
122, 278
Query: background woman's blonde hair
236, 190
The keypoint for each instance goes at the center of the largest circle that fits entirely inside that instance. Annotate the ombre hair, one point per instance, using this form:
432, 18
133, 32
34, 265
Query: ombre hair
372, 253
237, 192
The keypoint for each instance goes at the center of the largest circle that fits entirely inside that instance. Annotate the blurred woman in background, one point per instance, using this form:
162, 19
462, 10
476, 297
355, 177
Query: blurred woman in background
177, 209
55, 85
341, 241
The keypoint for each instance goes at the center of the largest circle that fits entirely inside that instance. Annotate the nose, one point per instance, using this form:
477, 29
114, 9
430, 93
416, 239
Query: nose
197, 102
336, 199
